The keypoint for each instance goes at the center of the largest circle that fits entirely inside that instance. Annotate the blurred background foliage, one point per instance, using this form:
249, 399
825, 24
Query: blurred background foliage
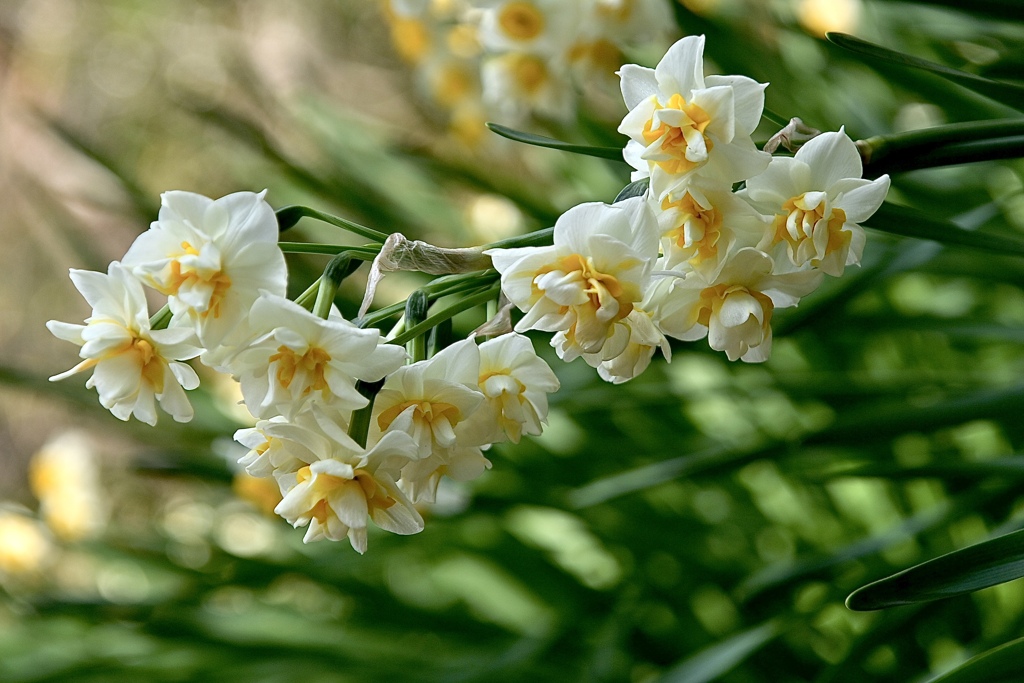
703, 522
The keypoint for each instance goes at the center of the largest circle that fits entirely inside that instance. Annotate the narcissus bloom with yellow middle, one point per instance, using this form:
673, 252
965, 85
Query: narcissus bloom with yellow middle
588, 280
818, 199
338, 494
294, 358
132, 365
211, 258
683, 125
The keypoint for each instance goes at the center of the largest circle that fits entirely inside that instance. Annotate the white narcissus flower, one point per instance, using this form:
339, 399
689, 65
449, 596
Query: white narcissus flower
295, 358
278, 446
683, 126
735, 310
588, 280
643, 331
701, 227
132, 365
211, 258
818, 198
515, 383
429, 399
643, 340
420, 478
338, 494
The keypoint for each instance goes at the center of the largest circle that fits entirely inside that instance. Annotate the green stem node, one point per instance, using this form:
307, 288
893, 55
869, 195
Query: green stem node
337, 270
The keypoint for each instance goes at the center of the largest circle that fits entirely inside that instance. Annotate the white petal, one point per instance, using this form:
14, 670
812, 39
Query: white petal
860, 199
831, 157
637, 84
681, 70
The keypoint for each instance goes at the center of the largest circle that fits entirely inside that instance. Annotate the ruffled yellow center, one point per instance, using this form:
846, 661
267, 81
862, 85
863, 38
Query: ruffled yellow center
219, 281
425, 411
599, 287
313, 363
521, 20
799, 221
712, 299
151, 362
697, 228
376, 496
676, 141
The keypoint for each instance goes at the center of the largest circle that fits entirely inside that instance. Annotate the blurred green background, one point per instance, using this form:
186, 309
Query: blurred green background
702, 522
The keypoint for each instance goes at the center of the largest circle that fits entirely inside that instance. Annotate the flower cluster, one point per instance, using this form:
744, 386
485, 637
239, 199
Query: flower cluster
693, 258
351, 427
514, 58
338, 457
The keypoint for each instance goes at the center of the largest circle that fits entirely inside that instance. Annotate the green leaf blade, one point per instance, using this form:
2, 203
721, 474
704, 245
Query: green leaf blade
612, 153
999, 665
1009, 94
906, 222
962, 571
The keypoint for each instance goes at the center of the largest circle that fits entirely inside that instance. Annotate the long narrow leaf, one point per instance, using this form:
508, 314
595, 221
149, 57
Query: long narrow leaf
904, 221
614, 153
962, 571
999, 665
718, 659
1007, 93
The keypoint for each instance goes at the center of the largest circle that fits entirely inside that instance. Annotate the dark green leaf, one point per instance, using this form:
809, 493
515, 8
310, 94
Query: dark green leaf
614, 153
962, 571
637, 188
901, 220
1006, 93
718, 659
999, 665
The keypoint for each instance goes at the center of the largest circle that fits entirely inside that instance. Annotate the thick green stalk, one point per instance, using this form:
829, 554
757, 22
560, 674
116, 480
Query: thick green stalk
940, 145
337, 270
361, 253
415, 313
538, 238
469, 302
161, 319
359, 427
441, 287
966, 152
290, 215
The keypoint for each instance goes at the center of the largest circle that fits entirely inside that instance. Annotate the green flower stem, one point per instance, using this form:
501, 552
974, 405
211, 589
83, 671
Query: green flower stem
537, 238
161, 319
898, 150
307, 298
441, 287
952, 154
361, 253
289, 215
462, 305
359, 427
441, 336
